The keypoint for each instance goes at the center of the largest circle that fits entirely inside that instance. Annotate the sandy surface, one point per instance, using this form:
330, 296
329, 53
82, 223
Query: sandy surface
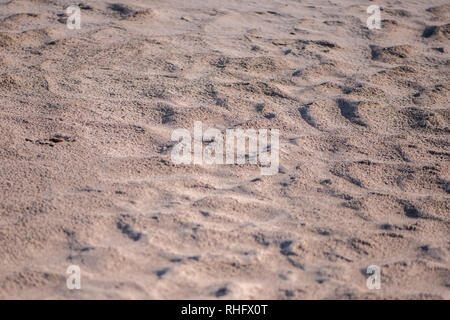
86, 176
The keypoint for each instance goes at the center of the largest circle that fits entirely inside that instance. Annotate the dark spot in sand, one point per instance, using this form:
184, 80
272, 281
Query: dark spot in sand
58, 138
289, 293
320, 281
412, 212
325, 182
128, 231
120, 8
323, 232
349, 110
221, 292
160, 273
430, 31
195, 258
84, 6
89, 189
285, 248
205, 213
386, 226
261, 239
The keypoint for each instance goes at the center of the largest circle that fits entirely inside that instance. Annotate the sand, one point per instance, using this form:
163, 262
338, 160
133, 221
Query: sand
86, 176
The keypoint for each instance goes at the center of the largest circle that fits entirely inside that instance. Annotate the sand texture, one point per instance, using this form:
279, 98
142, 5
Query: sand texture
86, 176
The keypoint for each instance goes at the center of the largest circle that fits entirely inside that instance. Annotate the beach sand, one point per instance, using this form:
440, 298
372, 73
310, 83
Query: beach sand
86, 176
